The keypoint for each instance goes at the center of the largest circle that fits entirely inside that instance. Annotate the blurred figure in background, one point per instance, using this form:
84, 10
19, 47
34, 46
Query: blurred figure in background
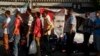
70, 29
16, 33
30, 20
6, 31
96, 32
87, 31
48, 26
29, 35
37, 31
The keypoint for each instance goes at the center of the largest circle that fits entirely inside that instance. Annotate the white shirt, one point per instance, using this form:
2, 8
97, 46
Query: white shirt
7, 21
69, 21
30, 20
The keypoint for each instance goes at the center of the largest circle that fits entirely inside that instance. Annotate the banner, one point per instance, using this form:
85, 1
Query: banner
59, 24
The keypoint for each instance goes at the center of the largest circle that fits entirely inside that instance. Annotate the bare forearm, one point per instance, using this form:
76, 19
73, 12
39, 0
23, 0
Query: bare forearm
71, 28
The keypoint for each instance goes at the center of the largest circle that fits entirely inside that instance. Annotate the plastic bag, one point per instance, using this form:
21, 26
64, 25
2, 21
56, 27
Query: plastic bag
32, 47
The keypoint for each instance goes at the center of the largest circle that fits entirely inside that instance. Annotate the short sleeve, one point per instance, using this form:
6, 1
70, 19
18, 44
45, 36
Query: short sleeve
73, 20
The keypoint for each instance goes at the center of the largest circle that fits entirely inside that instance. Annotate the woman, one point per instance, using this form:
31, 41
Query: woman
37, 30
16, 33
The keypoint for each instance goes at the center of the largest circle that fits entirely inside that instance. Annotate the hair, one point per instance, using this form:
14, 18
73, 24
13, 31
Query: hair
7, 12
70, 10
28, 9
17, 13
38, 14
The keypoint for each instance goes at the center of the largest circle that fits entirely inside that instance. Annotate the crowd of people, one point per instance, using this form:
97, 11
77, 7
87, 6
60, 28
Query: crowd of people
42, 32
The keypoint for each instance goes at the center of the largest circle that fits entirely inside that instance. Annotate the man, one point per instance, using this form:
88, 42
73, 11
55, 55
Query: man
70, 29
87, 31
30, 20
96, 32
6, 30
48, 26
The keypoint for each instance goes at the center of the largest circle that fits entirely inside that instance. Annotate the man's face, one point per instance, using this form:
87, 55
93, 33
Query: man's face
59, 21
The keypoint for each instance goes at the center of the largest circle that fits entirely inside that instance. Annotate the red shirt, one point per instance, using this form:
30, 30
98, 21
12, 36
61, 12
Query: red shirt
17, 25
37, 28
